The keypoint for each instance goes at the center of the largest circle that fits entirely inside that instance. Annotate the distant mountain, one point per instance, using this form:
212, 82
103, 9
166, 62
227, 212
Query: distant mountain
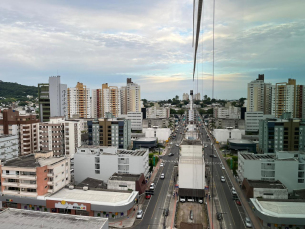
15, 90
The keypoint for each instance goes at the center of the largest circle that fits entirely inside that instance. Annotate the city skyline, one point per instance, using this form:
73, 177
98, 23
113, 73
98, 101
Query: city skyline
107, 42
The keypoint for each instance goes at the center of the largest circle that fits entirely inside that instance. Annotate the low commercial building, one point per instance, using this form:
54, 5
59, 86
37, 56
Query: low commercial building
158, 112
162, 134
18, 218
276, 214
145, 143
191, 169
158, 122
8, 147
223, 135
100, 162
230, 123
265, 189
242, 144
135, 182
287, 167
35, 174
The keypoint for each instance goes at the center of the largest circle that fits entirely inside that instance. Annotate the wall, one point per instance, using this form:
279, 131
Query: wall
276, 193
115, 185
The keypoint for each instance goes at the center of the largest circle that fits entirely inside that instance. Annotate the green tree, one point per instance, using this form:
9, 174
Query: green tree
22, 103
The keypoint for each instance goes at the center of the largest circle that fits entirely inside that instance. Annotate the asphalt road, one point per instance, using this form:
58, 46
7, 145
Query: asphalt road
153, 216
233, 217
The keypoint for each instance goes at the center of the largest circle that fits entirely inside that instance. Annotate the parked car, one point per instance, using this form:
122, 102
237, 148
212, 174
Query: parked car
182, 199
148, 196
222, 179
162, 176
248, 222
238, 202
161, 164
140, 214
233, 191
190, 199
191, 215
171, 154
200, 201
177, 145
219, 216
152, 186
223, 168
165, 212
213, 155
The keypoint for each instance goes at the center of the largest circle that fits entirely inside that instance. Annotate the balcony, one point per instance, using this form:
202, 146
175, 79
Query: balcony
31, 194
28, 185
11, 192
50, 174
27, 177
10, 176
10, 184
50, 182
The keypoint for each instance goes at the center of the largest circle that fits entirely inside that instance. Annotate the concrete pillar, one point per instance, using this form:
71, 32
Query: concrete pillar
19, 206
91, 213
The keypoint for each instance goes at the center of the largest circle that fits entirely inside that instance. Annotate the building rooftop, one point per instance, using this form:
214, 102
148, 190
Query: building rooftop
26, 219
185, 225
251, 156
132, 152
266, 184
280, 208
191, 142
29, 161
240, 141
93, 197
125, 177
8, 135
92, 183
191, 160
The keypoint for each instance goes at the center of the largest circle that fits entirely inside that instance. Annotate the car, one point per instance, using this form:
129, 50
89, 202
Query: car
171, 154
177, 145
248, 222
161, 164
190, 199
162, 176
222, 179
223, 168
152, 186
182, 199
140, 214
165, 212
191, 215
200, 201
219, 216
148, 196
205, 146
213, 155
238, 202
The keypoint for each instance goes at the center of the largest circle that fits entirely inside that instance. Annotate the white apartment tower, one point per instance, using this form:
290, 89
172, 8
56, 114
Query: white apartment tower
58, 97
259, 95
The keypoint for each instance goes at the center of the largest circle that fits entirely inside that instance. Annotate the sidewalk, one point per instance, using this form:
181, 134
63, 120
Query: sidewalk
126, 221
213, 224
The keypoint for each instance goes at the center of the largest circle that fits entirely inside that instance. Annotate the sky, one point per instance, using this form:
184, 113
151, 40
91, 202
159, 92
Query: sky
102, 41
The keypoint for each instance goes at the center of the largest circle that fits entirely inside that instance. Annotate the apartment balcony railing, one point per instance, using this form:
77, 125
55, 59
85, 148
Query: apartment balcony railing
27, 177
10, 176
50, 175
10, 184
50, 182
28, 185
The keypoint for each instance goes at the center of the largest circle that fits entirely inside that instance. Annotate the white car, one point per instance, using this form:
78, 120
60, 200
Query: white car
177, 145
222, 178
140, 214
152, 186
248, 222
200, 201
222, 167
190, 200
162, 176
182, 199
161, 164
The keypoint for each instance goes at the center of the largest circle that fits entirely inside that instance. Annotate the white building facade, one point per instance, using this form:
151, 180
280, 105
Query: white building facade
161, 133
222, 135
252, 120
9, 147
100, 162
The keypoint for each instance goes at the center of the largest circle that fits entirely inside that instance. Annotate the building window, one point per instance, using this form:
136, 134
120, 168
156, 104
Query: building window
97, 171
46, 187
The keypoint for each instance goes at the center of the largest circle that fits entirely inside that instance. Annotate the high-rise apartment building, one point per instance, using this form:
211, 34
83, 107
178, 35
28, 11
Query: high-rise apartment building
185, 96
123, 97
79, 105
96, 103
259, 95
111, 100
284, 134
133, 96
25, 126
110, 132
60, 136
52, 99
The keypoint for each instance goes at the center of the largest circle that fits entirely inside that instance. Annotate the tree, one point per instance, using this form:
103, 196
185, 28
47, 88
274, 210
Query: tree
22, 103
177, 97
205, 97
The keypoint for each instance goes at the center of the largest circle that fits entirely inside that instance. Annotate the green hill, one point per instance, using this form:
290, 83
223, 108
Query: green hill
15, 90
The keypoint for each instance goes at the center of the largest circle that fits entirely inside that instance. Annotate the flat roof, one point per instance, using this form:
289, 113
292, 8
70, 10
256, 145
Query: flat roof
267, 184
29, 161
241, 141
19, 218
132, 152
191, 142
91, 183
191, 160
280, 208
8, 135
91, 196
125, 177
251, 156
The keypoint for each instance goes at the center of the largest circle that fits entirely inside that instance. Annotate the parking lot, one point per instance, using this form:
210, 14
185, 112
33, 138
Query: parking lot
199, 213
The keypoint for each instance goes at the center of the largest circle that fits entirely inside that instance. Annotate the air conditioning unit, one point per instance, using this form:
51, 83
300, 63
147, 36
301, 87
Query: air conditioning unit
85, 188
